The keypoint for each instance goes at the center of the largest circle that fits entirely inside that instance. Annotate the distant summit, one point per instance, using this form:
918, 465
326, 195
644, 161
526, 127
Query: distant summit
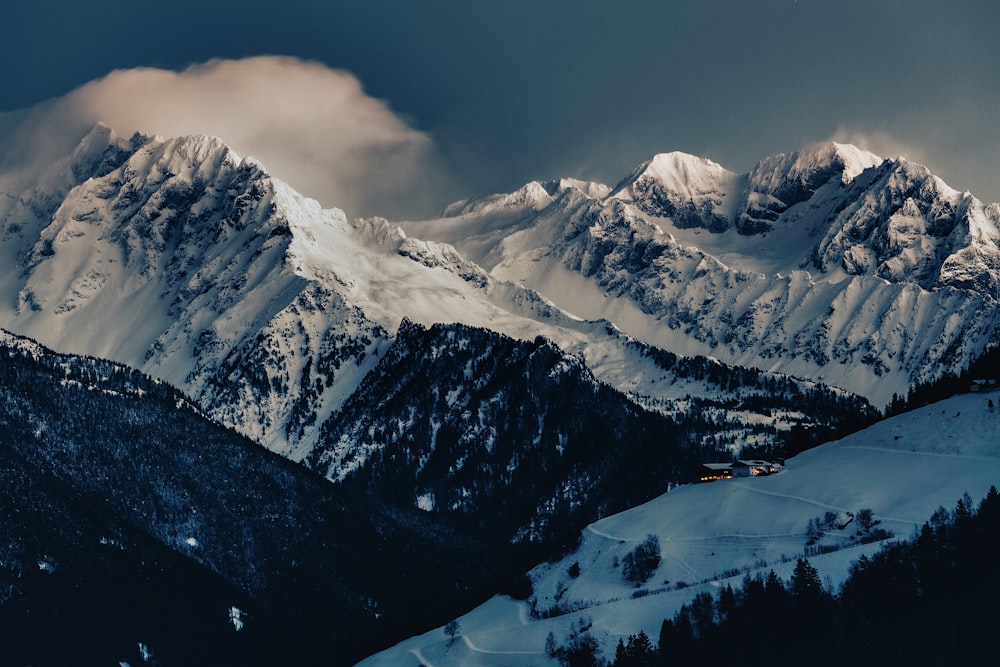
693, 191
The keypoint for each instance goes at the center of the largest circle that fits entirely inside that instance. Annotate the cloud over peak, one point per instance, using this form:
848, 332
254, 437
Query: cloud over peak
310, 125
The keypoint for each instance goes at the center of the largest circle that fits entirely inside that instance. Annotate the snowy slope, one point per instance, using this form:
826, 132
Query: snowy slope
903, 469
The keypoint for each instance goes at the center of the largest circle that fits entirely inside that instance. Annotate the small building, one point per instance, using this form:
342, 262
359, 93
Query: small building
711, 472
754, 468
983, 385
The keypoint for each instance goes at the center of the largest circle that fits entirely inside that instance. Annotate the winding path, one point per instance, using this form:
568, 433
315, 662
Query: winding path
473, 647
819, 504
420, 656
613, 537
943, 455
788, 496
679, 561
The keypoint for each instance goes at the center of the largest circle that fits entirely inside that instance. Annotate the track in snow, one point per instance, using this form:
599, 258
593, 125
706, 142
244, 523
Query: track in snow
790, 497
613, 537
420, 656
473, 647
991, 459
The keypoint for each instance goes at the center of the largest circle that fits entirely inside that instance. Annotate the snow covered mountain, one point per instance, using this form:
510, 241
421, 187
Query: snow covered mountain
831, 264
178, 257
182, 259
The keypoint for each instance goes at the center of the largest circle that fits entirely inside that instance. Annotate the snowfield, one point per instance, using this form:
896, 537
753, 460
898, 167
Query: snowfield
712, 534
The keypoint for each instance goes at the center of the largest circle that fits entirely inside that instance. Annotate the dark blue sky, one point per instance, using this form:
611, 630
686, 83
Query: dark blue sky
515, 90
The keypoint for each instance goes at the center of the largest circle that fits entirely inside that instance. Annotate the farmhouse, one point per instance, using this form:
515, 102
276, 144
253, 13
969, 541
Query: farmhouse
711, 472
754, 467
983, 385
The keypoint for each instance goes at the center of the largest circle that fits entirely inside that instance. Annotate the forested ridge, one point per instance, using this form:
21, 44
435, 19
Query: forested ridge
130, 518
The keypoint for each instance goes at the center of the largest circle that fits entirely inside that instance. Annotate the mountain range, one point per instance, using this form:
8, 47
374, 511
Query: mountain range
830, 263
504, 375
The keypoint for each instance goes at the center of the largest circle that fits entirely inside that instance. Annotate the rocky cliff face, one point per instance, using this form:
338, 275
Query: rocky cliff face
903, 224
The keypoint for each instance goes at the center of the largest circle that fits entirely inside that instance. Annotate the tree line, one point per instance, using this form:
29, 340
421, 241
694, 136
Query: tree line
927, 600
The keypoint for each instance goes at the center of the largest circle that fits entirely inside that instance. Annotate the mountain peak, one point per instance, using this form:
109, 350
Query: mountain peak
809, 168
781, 181
907, 171
592, 189
692, 191
853, 160
98, 138
530, 195
197, 151
677, 172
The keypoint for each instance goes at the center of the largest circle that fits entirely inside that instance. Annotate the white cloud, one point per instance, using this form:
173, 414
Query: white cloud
310, 125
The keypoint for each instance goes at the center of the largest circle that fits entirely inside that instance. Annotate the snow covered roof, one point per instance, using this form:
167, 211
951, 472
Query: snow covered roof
756, 463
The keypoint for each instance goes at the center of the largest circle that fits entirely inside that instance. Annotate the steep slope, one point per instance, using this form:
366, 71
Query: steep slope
779, 182
832, 265
713, 534
118, 489
515, 439
903, 224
